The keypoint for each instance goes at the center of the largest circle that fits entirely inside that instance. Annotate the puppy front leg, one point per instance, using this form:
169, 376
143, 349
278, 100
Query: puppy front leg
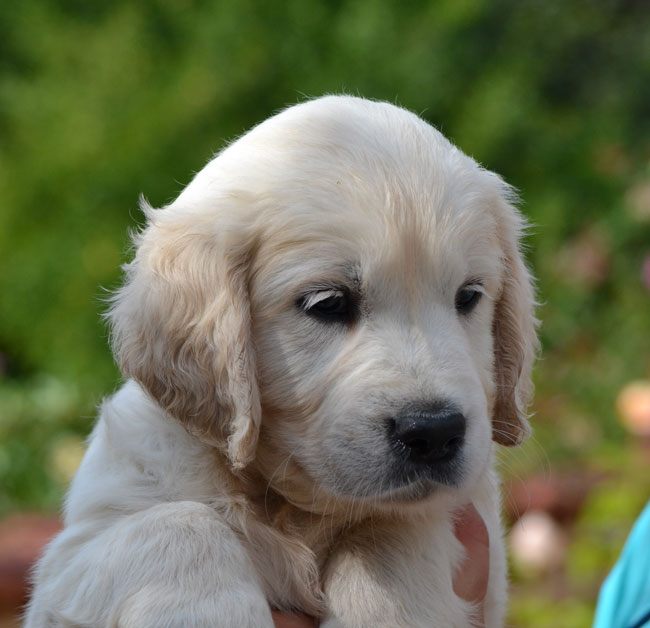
396, 577
176, 564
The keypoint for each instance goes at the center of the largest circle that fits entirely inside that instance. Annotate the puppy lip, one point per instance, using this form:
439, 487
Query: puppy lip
449, 473
417, 489
407, 481
415, 492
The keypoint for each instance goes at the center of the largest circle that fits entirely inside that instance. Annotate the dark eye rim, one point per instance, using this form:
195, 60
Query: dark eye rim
468, 296
334, 309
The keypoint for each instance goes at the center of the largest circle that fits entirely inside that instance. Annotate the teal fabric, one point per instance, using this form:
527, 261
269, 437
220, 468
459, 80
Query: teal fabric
624, 600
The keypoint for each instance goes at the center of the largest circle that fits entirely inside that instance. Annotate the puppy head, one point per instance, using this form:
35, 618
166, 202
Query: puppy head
346, 280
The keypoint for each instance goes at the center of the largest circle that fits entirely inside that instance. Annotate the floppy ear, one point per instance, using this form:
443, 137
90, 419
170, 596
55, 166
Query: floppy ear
181, 329
515, 340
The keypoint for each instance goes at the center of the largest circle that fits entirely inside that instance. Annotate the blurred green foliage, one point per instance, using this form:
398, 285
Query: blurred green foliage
101, 101
38, 418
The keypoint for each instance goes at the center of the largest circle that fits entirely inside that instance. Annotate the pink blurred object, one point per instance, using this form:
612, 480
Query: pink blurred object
538, 543
22, 538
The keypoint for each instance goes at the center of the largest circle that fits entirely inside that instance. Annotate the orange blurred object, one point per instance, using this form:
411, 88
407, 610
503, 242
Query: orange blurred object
633, 405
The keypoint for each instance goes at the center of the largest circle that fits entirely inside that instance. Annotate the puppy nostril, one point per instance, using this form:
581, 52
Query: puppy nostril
419, 446
453, 444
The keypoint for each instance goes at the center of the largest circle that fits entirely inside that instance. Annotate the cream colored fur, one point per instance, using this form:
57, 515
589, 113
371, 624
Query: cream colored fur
244, 465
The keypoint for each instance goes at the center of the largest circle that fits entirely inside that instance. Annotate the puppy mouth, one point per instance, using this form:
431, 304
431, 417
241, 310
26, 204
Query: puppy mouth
415, 491
413, 480
404, 486
411, 456
398, 478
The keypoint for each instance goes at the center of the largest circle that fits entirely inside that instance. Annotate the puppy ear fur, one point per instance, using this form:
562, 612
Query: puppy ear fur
514, 332
181, 329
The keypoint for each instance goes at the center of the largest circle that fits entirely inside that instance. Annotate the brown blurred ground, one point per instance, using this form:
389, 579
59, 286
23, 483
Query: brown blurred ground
22, 537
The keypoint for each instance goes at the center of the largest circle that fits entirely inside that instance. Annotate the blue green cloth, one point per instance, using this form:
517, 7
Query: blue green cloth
624, 600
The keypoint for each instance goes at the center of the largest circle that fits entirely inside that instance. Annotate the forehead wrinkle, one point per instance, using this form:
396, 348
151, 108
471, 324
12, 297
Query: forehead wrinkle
423, 229
282, 270
430, 249
408, 261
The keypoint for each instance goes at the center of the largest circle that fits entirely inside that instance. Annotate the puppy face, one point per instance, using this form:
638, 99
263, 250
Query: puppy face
375, 357
351, 290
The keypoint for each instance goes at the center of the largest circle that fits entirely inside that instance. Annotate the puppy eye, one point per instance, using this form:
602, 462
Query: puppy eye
467, 298
329, 306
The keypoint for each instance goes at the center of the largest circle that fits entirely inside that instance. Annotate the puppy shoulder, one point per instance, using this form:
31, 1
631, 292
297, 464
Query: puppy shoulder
137, 457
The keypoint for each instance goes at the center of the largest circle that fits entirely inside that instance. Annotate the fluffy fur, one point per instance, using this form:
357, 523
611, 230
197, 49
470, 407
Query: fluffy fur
246, 463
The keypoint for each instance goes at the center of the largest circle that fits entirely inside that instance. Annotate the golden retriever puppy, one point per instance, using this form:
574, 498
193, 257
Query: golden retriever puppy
323, 336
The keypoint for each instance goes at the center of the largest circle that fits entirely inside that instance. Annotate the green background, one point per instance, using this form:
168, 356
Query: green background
102, 101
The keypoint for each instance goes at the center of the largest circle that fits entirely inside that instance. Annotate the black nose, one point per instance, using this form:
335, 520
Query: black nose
429, 436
